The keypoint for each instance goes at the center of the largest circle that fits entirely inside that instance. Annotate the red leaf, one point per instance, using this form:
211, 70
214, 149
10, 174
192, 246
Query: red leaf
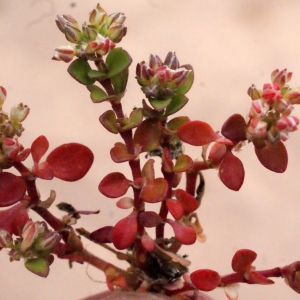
124, 232
148, 135
242, 260
232, 171
175, 208
38, 148
273, 156
188, 202
14, 218
43, 170
257, 278
12, 189
183, 163
217, 153
184, 234
148, 170
114, 185
154, 191
205, 279
147, 242
234, 128
119, 153
102, 235
150, 219
125, 203
196, 133
70, 162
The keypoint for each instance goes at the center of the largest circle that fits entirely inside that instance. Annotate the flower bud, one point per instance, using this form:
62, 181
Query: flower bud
48, 241
257, 129
19, 113
11, 147
283, 106
8, 129
155, 62
293, 95
29, 234
115, 28
288, 123
2, 95
6, 240
254, 93
72, 33
64, 53
271, 93
171, 61
259, 108
180, 76
100, 46
291, 275
97, 16
281, 77
90, 31
63, 20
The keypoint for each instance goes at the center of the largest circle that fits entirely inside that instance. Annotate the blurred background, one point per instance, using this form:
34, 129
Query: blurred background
231, 45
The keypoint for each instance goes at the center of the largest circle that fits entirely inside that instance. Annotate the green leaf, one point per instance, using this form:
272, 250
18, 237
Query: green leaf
160, 105
109, 121
117, 61
186, 87
94, 74
98, 95
38, 266
178, 102
79, 69
134, 120
119, 82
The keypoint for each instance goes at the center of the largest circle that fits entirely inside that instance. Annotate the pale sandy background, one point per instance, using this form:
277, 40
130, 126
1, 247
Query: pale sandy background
231, 44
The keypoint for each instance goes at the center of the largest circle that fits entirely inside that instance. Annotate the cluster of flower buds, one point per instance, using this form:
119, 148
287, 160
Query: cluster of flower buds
36, 241
93, 40
10, 128
270, 117
161, 80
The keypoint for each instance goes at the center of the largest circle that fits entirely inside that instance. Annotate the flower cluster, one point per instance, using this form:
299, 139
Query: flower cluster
270, 117
93, 40
11, 128
161, 80
34, 245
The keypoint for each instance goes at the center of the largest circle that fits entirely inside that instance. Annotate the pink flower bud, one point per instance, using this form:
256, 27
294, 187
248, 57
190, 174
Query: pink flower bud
29, 234
6, 240
19, 113
48, 241
171, 61
163, 74
180, 76
271, 93
257, 129
283, 106
73, 34
259, 108
293, 95
11, 147
100, 46
64, 53
2, 95
97, 16
63, 20
155, 62
281, 77
288, 123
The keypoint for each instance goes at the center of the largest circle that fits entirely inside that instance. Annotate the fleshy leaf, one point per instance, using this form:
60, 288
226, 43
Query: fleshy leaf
109, 121
125, 203
149, 219
119, 153
147, 242
124, 232
188, 202
183, 163
257, 278
273, 156
175, 123
148, 170
98, 95
79, 69
154, 191
148, 135
231, 291
12, 189
134, 120
167, 163
102, 235
160, 105
117, 61
119, 82
242, 260
186, 87
114, 185
94, 74
62, 161
14, 218
38, 266
232, 171
178, 102
217, 153
234, 128
175, 208
38, 148
205, 279
196, 133
184, 234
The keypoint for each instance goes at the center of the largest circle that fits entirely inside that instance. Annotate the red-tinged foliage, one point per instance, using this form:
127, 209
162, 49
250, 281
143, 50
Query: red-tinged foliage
196, 133
114, 185
154, 191
125, 203
175, 208
38, 148
166, 160
273, 156
242, 260
114, 278
256, 278
43, 170
205, 279
14, 218
232, 171
175, 123
148, 170
120, 154
234, 128
188, 202
109, 121
183, 163
102, 235
147, 242
124, 232
70, 162
184, 234
291, 275
217, 153
148, 134
12, 189
149, 219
